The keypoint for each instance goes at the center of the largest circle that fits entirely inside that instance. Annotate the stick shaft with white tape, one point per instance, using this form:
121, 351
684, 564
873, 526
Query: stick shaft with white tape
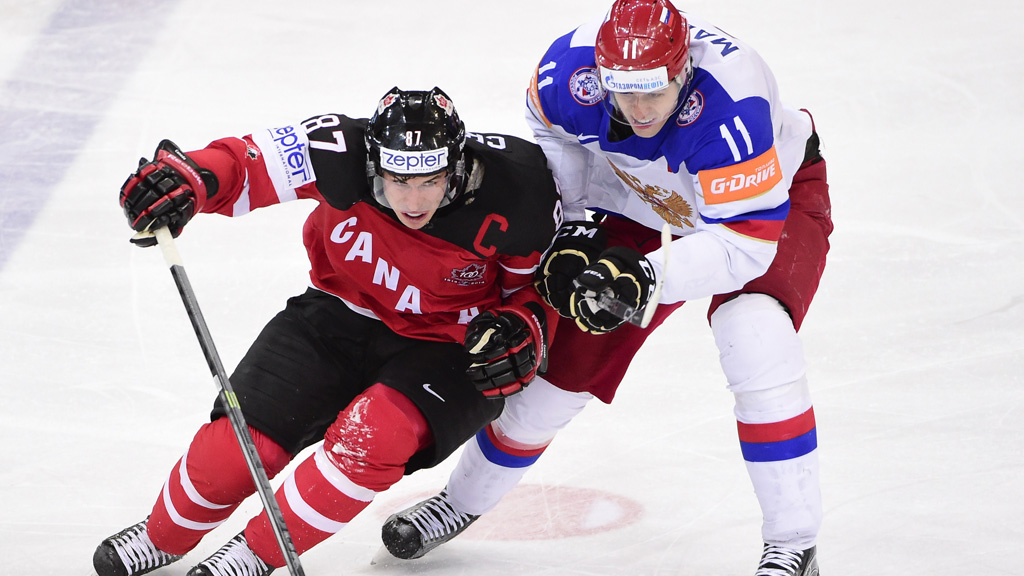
229, 401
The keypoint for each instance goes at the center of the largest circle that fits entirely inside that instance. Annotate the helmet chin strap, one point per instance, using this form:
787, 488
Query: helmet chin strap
455, 182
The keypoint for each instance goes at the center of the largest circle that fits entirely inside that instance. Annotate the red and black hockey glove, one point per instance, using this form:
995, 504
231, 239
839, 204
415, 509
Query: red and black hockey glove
165, 192
621, 273
577, 245
507, 347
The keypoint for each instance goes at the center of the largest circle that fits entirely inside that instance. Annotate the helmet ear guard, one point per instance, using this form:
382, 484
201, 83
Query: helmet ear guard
415, 133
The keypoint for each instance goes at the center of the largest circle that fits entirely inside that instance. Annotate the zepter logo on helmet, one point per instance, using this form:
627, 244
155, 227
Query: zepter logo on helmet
407, 162
415, 133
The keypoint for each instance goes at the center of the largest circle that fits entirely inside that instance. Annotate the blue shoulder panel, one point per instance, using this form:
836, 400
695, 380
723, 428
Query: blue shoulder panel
713, 130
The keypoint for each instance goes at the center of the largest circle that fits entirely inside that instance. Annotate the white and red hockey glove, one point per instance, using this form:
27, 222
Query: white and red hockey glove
507, 347
165, 192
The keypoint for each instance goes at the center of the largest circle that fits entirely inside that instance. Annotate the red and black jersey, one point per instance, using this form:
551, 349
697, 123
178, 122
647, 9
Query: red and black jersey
478, 253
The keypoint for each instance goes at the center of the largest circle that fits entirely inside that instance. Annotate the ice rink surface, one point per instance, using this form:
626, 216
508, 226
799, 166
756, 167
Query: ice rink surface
915, 341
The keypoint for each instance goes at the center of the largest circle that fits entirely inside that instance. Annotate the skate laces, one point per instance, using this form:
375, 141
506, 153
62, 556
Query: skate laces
234, 559
779, 561
436, 518
137, 552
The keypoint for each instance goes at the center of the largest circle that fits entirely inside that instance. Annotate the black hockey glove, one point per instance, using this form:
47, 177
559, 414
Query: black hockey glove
507, 347
621, 273
165, 192
577, 245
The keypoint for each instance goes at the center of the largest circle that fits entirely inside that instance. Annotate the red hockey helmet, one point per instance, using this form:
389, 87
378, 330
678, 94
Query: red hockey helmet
642, 46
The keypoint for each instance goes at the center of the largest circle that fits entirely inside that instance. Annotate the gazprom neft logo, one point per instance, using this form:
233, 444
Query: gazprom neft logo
413, 162
634, 80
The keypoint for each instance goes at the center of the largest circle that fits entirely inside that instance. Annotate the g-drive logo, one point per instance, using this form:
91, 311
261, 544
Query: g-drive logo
413, 162
292, 151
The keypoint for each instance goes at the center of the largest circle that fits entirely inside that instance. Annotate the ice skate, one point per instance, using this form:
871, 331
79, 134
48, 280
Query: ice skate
782, 561
233, 559
419, 529
130, 552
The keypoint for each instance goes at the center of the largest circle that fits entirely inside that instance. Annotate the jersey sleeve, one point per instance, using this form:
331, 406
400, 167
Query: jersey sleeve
737, 174
564, 81
569, 163
516, 281
264, 168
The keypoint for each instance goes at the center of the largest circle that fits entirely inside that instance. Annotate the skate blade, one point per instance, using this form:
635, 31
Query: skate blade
385, 562
384, 558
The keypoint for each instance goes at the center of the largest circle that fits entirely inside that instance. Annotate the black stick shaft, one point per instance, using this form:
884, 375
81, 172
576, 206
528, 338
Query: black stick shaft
230, 402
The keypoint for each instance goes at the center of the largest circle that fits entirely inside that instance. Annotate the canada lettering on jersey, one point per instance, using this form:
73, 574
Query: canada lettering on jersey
427, 283
384, 274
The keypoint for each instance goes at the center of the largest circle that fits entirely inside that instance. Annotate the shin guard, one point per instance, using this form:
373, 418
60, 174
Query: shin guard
364, 452
495, 461
207, 484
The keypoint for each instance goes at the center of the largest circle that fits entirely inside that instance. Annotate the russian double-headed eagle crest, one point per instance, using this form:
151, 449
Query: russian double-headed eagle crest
672, 207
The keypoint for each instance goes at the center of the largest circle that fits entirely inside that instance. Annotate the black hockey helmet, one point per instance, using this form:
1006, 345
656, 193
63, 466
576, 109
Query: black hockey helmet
415, 133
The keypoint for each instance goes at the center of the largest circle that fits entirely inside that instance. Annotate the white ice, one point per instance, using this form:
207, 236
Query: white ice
915, 341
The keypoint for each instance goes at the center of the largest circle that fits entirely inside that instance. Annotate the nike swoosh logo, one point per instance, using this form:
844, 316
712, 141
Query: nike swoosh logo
429, 389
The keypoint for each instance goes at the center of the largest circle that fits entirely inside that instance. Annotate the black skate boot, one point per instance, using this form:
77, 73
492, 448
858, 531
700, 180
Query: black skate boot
782, 561
233, 559
130, 552
417, 530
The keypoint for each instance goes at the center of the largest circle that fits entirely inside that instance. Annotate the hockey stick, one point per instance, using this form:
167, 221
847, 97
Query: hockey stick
607, 302
228, 399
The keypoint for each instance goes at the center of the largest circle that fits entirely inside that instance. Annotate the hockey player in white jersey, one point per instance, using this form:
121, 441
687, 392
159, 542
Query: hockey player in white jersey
651, 116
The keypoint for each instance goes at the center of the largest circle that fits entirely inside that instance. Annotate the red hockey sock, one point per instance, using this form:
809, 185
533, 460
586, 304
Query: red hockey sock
207, 485
364, 452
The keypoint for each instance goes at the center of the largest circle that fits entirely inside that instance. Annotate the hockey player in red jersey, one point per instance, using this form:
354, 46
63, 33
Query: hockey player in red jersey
647, 117
419, 320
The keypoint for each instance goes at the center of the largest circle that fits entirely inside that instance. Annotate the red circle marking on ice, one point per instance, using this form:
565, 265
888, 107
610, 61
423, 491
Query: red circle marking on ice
533, 512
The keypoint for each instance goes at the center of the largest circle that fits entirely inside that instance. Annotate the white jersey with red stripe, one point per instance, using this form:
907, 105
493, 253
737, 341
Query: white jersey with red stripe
718, 172
476, 254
